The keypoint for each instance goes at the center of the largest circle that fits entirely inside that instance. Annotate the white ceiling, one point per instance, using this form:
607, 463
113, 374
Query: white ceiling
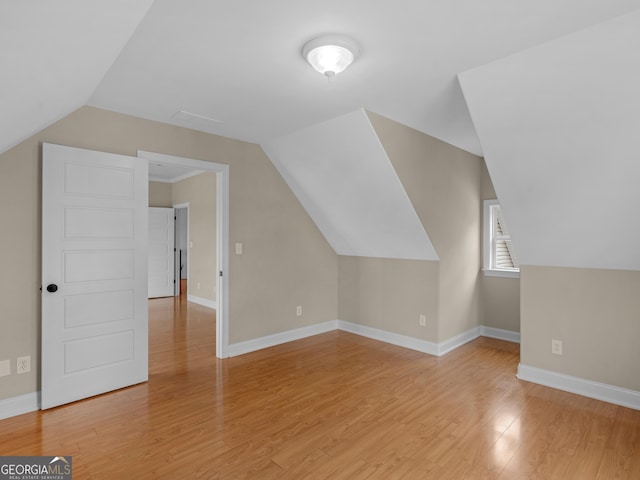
239, 64
568, 172
53, 55
169, 173
343, 177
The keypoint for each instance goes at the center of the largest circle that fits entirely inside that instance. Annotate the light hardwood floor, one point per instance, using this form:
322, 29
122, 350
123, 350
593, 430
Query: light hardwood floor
335, 406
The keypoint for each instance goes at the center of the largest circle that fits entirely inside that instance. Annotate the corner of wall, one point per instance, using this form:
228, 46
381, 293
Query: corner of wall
444, 184
593, 312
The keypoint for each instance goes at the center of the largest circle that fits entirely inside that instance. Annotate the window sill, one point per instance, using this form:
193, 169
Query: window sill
500, 273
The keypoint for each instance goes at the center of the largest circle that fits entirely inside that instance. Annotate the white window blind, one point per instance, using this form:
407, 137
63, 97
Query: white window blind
499, 254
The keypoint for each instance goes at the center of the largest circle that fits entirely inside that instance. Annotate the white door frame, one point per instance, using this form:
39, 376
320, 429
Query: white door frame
183, 206
222, 237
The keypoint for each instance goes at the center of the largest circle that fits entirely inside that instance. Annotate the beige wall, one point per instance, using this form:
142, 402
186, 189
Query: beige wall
595, 313
20, 211
287, 262
200, 192
500, 296
501, 303
443, 183
486, 189
160, 195
389, 294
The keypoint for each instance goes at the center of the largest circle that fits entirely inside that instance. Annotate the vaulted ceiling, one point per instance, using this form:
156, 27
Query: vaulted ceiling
53, 56
560, 129
526, 69
343, 177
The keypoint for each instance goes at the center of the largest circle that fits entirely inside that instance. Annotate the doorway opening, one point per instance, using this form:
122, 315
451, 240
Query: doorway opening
181, 260
221, 221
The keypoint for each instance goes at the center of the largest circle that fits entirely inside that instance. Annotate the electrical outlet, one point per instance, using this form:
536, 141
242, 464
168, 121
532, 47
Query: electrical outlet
238, 249
198, 286
23, 365
5, 368
423, 320
299, 311
556, 347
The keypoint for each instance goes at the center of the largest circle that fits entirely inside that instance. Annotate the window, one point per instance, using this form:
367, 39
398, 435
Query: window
499, 256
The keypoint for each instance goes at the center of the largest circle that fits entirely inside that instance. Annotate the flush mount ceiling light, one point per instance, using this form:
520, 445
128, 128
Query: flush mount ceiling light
330, 54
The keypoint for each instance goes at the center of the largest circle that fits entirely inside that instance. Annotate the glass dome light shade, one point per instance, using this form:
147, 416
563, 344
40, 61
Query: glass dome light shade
330, 55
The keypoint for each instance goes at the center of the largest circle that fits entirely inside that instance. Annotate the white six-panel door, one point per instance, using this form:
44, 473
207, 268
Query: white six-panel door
161, 252
94, 273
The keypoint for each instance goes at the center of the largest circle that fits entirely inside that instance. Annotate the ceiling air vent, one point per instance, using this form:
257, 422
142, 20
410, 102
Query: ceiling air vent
195, 119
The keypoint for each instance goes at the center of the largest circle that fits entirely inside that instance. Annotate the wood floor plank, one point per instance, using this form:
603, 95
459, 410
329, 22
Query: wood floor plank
331, 406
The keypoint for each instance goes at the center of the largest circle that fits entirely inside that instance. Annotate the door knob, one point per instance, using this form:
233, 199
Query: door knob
52, 287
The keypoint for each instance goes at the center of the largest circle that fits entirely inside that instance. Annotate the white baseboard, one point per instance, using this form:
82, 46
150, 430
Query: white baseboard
500, 334
202, 301
11, 407
587, 388
404, 341
424, 346
411, 343
457, 341
241, 348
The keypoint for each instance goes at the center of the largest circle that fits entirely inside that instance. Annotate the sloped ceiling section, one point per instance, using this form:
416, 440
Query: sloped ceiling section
559, 125
54, 55
342, 176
